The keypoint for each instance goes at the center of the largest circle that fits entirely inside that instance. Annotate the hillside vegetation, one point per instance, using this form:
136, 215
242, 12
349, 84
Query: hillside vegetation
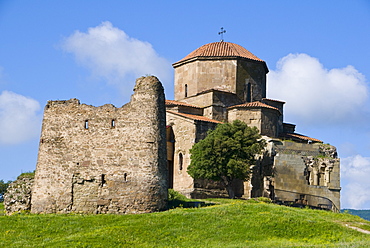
365, 214
232, 223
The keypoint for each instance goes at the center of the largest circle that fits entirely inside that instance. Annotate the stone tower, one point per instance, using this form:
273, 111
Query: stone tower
103, 159
221, 66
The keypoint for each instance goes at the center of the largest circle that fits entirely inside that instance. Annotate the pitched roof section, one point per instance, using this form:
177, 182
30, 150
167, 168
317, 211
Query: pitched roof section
254, 105
299, 137
195, 117
274, 100
221, 49
176, 103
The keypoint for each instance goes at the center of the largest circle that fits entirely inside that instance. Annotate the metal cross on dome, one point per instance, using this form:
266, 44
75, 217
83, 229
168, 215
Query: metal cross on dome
222, 33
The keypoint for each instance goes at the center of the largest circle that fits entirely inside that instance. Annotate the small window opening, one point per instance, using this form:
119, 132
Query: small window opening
86, 124
125, 177
249, 93
113, 123
103, 180
186, 90
181, 160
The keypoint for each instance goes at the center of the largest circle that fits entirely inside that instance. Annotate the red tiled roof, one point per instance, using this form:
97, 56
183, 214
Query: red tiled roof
194, 117
176, 103
298, 136
215, 89
221, 49
254, 105
268, 99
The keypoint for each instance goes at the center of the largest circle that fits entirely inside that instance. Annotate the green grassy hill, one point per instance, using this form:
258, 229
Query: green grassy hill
233, 223
365, 214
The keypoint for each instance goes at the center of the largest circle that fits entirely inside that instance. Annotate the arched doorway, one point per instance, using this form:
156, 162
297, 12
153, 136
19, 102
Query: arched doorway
170, 137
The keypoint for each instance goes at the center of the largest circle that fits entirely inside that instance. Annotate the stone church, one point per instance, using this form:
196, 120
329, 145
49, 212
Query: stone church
123, 160
221, 82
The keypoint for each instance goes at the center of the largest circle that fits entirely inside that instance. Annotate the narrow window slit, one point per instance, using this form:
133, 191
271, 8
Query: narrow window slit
103, 181
86, 124
181, 160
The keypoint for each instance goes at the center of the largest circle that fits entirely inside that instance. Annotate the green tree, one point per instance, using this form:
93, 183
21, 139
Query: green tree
3, 187
226, 154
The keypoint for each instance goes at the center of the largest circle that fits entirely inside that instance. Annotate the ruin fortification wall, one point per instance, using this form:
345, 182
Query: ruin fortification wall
307, 174
103, 159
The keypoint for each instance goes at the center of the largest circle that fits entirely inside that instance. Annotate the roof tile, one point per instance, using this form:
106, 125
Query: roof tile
274, 100
221, 49
195, 117
298, 136
254, 105
176, 103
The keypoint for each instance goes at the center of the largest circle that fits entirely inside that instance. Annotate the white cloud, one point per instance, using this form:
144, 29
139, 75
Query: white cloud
114, 56
355, 174
315, 94
19, 120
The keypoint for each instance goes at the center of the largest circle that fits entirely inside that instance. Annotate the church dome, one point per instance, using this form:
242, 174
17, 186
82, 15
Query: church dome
219, 49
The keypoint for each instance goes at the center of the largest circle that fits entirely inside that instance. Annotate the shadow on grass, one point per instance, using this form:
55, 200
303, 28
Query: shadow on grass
187, 204
177, 200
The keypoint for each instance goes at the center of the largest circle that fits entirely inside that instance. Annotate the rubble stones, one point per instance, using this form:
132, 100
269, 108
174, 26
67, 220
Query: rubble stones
18, 195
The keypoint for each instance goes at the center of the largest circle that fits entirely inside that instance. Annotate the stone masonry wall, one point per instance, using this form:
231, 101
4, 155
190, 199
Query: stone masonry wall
305, 173
202, 75
184, 136
253, 73
103, 159
265, 120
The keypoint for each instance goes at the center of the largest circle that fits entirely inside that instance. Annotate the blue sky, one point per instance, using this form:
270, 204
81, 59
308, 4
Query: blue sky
317, 52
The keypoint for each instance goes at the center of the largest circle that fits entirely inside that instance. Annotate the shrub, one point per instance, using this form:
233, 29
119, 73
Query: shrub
29, 174
264, 199
174, 195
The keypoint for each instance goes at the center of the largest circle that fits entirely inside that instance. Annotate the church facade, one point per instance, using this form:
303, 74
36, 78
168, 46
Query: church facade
222, 82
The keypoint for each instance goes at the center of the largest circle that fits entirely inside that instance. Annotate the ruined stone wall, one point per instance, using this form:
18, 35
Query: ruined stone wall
103, 159
305, 174
18, 195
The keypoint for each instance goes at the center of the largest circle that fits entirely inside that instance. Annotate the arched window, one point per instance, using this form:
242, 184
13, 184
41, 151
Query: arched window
248, 93
181, 161
113, 123
186, 90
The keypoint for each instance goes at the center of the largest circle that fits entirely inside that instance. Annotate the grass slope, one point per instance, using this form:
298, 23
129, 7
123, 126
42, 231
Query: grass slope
233, 223
365, 214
